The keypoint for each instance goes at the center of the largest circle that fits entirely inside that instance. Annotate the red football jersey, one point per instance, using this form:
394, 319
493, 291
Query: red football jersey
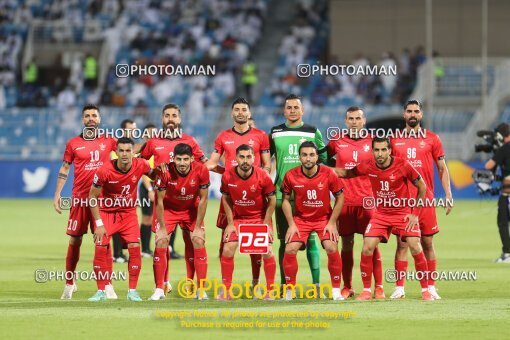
87, 156
182, 191
349, 153
248, 195
312, 194
390, 183
228, 141
422, 153
120, 186
163, 149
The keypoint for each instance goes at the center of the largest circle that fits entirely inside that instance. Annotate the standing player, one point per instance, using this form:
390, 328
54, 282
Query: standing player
422, 151
226, 145
311, 185
162, 149
117, 181
177, 192
349, 151
285, 140
390, 177
248, 198
88, 153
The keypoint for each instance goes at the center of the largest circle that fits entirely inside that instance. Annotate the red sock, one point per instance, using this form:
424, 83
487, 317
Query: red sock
290, 268
367, 268
134, 266
335, 268
109, 262
401, 269
256, 263
72, 258
159, 266
167, 279
420, 263
377, 262
270, 272
227, 270
100, 266
347, 265
432, 267
189, 254
201, 264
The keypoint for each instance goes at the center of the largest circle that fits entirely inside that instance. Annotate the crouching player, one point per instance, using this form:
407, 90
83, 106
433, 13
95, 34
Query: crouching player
390, 177
248, 198
181, 200
311, 185
117, 181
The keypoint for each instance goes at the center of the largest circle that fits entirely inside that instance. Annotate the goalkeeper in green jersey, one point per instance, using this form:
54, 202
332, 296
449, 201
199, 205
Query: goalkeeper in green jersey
285, 140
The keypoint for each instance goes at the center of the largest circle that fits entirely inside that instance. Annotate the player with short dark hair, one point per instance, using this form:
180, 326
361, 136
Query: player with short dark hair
347, 152
178, 190
248, 198
422, 151
117, 182
284, 141
87, 155
226, 144
311, 185
390, 177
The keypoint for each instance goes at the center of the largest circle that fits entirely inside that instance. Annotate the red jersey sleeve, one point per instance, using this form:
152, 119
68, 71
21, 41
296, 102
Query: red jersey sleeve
268, 188
204, 180
113, 144
331, 149
410, 172
218, 144
147, 150
99, 177
68, 153
161, 181
335, 184
264, 144
145, 167
437, 150
286, 187
224, 184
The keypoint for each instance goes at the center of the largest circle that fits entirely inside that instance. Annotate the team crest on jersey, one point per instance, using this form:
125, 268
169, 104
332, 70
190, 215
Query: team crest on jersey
102, 147
251, 142
392, 177
252, 188
320, 186
192, 183
366, 147
133, 179
422, 144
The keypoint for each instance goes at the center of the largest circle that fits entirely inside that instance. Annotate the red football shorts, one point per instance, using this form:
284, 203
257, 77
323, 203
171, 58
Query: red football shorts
221, 222
307, 227
80, 217
125, 223
382, 225
186, 219
353, 220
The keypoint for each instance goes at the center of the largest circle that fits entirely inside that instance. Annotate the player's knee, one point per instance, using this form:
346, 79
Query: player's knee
427, 244
229, 249
368, 249
291, 249
147, 219
133, 245
198, 242
75, 240
162, 244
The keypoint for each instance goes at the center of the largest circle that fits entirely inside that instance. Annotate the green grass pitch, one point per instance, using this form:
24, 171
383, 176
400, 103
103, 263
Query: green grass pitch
33, 237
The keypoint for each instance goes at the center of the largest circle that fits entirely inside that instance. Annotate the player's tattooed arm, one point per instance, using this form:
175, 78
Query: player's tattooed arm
287, 211
444, 175
265, 158
61, 181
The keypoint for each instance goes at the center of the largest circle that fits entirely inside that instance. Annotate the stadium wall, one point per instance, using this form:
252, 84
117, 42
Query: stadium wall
37, 179
375, 26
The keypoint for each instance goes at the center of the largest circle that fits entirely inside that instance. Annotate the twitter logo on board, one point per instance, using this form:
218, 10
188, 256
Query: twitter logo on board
35, 181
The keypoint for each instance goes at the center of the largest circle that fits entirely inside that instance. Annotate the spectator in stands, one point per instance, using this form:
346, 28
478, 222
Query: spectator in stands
31, 74
249, 78
90, 71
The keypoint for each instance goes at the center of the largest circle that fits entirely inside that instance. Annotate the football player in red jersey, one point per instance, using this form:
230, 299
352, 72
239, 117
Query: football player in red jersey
117, 183
390, 177
311, 185
422, 148
348, 151
87, 153
248, 198
178, 190
226, 144
162, 149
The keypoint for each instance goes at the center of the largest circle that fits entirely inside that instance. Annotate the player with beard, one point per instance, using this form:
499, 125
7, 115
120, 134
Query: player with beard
422, 148
226, 145
348, 151
88, 152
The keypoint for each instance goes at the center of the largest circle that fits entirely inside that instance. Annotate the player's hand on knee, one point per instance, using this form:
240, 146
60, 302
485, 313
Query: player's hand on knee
161, 235
333, 232
98, 234
229, 230
293, 230
412, 220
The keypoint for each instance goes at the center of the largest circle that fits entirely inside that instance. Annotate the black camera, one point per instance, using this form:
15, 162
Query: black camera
486, 182
493, 139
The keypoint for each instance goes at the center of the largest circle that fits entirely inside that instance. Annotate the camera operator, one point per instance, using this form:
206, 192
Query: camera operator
501, 158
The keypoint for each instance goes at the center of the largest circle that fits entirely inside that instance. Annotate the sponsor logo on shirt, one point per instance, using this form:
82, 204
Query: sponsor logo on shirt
81, 147
401, 143
232, 185
299, 186
342, 145
372, 175
111, 182
159, 148
229, 142
277, 130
